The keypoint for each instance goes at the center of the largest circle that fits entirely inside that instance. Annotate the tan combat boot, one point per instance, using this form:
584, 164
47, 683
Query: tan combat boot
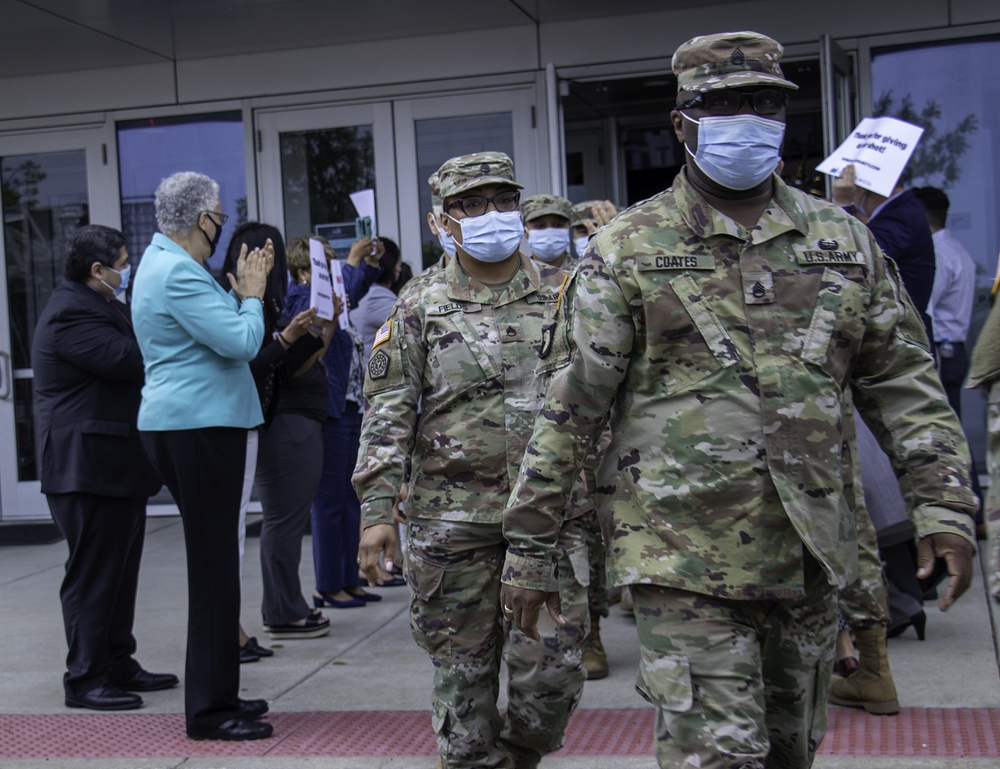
595, 659
870, 686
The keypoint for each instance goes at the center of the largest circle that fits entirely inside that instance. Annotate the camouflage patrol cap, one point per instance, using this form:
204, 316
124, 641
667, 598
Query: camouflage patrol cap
729, 60
582, 211
540, 205
436, 200
467, 172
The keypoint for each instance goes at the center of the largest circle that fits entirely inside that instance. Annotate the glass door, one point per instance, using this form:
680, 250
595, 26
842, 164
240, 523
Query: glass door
431, 130
311, 160
49, 187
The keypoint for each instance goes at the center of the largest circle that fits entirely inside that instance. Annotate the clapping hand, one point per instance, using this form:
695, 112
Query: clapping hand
252, 269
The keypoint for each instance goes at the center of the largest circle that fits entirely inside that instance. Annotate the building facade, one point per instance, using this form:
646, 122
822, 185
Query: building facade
293, 104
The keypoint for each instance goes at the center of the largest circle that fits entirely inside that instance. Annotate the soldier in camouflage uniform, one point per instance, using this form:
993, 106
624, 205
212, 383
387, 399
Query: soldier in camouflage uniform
586, 218
472, 345
547, 221
723, 325
546, 218
434, 224
984, 373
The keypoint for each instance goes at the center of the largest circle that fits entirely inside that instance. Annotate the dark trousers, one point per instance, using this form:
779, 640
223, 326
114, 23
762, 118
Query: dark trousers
953, 369
289, 463
203, 469
105, 537
336, 511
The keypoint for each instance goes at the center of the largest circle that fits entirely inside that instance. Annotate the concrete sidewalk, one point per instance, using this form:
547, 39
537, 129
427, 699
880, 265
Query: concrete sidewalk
360, 697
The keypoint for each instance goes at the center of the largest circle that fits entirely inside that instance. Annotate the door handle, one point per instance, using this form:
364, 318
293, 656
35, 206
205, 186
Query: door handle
5, 376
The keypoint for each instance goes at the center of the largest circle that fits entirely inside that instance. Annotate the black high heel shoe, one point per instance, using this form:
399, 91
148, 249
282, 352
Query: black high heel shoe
919, 622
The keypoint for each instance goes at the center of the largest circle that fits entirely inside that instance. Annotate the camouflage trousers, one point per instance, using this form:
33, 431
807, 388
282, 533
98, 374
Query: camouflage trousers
597, 592
453, 570
736, 683
991, 506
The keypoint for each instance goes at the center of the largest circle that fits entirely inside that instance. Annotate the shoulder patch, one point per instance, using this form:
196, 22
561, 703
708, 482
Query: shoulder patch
378, 364
678, 262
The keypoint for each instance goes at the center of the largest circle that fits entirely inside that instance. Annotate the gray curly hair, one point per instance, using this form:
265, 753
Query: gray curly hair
181, 198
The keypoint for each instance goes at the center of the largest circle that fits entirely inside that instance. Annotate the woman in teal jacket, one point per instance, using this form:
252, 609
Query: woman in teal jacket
198, 402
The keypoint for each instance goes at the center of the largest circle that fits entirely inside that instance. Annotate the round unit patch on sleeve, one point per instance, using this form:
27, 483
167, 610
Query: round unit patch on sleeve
378, 364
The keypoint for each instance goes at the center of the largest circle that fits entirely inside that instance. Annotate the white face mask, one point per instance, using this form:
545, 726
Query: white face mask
580, 244
549, 244
492, 237
738, 151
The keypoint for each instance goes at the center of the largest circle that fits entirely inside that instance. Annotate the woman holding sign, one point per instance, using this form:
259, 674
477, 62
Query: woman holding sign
336, 512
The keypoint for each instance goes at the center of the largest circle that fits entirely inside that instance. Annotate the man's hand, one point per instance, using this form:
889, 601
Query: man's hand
957, 553
844, 186
377, 540
522, 606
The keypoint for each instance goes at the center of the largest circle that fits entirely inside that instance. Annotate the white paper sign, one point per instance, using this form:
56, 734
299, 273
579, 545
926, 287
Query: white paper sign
321, 288
337, 276
879, 148
364, 204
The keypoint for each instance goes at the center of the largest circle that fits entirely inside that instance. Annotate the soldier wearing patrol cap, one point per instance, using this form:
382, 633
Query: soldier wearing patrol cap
546, 218
434, 223
472, 346
586, 218
728, 327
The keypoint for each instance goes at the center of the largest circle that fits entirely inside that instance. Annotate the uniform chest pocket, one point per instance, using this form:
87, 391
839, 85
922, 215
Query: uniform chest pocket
837, 324
685, 339
459, 354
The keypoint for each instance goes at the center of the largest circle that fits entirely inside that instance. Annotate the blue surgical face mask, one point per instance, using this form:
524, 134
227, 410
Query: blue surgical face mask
580, 243
738, 151
492, 237
549, 244
447, 242
123, 283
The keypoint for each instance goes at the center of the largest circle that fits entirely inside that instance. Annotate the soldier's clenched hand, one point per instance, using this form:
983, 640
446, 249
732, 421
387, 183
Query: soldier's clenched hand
521, 606
377, 540
957, 553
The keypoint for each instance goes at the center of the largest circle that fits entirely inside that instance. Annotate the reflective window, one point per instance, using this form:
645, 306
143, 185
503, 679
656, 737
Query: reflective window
439, 139
152, 149
319, 171
942, 87
44, 200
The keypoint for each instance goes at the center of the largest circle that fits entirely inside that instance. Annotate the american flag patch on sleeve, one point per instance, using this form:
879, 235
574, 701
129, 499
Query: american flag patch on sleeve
383, 334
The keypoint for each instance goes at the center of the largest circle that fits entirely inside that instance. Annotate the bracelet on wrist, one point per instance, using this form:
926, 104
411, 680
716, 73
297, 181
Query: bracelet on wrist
281, 336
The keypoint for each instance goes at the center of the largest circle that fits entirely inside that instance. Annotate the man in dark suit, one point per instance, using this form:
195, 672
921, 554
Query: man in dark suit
95, 475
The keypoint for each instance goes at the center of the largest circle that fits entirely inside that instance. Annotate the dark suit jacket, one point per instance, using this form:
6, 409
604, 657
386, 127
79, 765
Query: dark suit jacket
88, 384
902, 231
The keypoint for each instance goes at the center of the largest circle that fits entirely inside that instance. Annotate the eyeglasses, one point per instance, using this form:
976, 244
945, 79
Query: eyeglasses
222, 218
476, 205
768, 101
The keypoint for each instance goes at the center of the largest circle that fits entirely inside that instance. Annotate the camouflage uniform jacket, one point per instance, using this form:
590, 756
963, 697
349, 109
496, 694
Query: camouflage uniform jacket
466, 356
724, 356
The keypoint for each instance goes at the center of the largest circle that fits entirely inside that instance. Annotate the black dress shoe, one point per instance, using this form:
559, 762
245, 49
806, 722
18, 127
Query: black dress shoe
105, 697
144, 681
247, 655
256, 648
253, 708
235, 729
